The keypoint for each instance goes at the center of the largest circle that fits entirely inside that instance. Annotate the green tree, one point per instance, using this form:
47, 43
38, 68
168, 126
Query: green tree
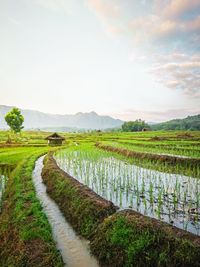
134, 126
14, 119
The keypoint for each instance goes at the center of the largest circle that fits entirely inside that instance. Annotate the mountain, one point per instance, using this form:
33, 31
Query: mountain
39, 120
189, 123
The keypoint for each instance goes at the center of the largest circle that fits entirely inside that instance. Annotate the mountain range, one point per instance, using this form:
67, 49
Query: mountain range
39, 120
34, 120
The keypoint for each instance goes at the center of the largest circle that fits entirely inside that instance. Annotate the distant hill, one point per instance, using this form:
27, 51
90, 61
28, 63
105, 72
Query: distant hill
189, 123
39, 120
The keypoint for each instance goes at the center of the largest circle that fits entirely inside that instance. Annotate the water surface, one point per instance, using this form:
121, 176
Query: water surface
74, 250
172, 198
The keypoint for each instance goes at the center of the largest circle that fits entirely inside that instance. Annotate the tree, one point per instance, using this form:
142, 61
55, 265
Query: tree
134, 126
14, 119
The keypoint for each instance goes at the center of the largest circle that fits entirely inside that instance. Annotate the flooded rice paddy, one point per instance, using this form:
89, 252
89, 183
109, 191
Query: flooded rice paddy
172, 198
74, 250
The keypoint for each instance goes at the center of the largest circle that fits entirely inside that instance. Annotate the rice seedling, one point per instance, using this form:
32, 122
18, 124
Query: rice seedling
176, 148
172, 198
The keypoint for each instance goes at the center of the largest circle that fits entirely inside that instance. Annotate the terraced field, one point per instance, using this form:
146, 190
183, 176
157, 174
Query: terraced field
169, 197
132, 195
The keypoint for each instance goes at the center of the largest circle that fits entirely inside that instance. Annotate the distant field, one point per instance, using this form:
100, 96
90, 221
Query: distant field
156, 149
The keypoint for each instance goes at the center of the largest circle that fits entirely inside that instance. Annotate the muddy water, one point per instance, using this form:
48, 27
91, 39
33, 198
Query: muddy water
74, 251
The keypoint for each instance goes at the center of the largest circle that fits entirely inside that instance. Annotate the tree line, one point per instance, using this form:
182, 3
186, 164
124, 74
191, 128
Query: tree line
191, 123
135, 126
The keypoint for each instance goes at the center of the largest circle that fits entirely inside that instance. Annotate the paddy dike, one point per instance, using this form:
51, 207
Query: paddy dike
5, 171
6, 168
186, 147
118, 238
192, 163
128, 238
81, 206
14, 145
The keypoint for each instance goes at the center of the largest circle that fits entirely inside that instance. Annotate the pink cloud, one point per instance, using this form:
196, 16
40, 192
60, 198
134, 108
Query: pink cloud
184, 75
192, 25
172, 84
104, 9
115, 29
177, 7
162, 26
157, 25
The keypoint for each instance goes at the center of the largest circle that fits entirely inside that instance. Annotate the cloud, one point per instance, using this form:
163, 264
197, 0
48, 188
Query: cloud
105, 9
169, 27
176, 8
174, 57
184, 74
193, 25
151, 27
115, 29
109, 13
156, 23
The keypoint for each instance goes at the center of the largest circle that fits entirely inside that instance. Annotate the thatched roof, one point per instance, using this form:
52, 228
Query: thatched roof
146, 129
54, 136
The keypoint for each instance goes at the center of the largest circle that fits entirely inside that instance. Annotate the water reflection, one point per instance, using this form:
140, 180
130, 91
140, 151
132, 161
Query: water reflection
169, 197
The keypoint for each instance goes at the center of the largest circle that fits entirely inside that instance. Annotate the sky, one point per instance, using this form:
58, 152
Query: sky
128, 59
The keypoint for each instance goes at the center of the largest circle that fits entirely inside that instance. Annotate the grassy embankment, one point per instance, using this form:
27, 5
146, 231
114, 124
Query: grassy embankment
185, 166
83, 208
128, 239
173, 148
25, 234
125, 238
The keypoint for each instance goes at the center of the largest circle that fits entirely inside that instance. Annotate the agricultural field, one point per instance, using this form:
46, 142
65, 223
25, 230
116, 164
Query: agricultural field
169, 197
153, 176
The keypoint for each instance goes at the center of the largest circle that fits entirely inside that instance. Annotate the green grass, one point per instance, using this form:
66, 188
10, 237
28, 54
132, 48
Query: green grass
174, 149
16, 154
129, 239
25, 234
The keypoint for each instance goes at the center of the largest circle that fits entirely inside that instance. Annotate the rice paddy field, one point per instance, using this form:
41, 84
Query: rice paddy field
156, 174
169, 197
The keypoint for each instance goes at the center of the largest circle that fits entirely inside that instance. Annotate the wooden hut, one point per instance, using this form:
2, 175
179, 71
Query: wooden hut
146, 129
55, 139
